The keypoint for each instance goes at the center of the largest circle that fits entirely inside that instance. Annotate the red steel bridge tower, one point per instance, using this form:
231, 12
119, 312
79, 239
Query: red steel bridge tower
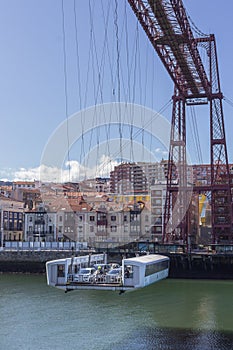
167, 26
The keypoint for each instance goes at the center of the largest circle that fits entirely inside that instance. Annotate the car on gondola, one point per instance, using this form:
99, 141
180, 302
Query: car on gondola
114, 275
85, 274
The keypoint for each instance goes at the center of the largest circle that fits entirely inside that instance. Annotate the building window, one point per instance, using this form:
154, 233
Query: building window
158, 193
5, 225
92, 218
156, 201
101, 217
113, 228
125, 218
134, 217
157, 211
158, 220
113, 218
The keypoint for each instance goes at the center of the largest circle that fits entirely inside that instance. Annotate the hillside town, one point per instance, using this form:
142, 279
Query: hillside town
127, 206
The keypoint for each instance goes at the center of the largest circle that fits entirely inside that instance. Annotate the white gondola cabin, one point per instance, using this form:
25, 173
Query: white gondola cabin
82, 272
144, 270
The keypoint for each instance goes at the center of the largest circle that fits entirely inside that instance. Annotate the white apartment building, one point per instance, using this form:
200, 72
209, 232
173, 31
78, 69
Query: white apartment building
40, 225
158, 197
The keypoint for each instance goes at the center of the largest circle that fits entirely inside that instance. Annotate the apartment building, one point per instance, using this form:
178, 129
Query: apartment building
158, 197
11, 219
128, 178
40, 225
27, 192
137, 177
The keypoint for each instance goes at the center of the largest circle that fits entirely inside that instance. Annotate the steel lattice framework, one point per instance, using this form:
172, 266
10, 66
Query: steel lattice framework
167, 26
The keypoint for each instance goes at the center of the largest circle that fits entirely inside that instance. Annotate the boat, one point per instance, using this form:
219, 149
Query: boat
94, 273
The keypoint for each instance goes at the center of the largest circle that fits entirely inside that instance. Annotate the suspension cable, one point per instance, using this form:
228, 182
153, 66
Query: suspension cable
140, 130
65, 84
196, 135
228, 101
118, 74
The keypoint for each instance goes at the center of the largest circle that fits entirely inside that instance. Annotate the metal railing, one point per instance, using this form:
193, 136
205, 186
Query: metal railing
16, 245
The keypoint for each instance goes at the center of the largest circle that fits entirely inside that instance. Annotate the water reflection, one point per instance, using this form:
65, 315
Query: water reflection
198, 305
175, 339
206, 314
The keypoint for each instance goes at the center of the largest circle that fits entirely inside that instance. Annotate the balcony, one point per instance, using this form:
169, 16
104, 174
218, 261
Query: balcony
40, 222
40, 234
102, 222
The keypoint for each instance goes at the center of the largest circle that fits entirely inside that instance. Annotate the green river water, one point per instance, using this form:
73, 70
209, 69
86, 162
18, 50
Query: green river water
171, 314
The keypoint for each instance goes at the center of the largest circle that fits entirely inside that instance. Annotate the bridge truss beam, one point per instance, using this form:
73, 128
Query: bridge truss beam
166, 24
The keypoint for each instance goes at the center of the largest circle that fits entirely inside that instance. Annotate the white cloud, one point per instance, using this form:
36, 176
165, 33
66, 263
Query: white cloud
74, 172
24, 174
21, 174
161, 152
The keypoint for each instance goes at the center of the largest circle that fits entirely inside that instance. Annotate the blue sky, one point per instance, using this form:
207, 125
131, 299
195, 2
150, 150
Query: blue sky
32, 83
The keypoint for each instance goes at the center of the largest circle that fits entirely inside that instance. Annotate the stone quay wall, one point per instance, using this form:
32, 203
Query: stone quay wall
195, 266
28, 261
